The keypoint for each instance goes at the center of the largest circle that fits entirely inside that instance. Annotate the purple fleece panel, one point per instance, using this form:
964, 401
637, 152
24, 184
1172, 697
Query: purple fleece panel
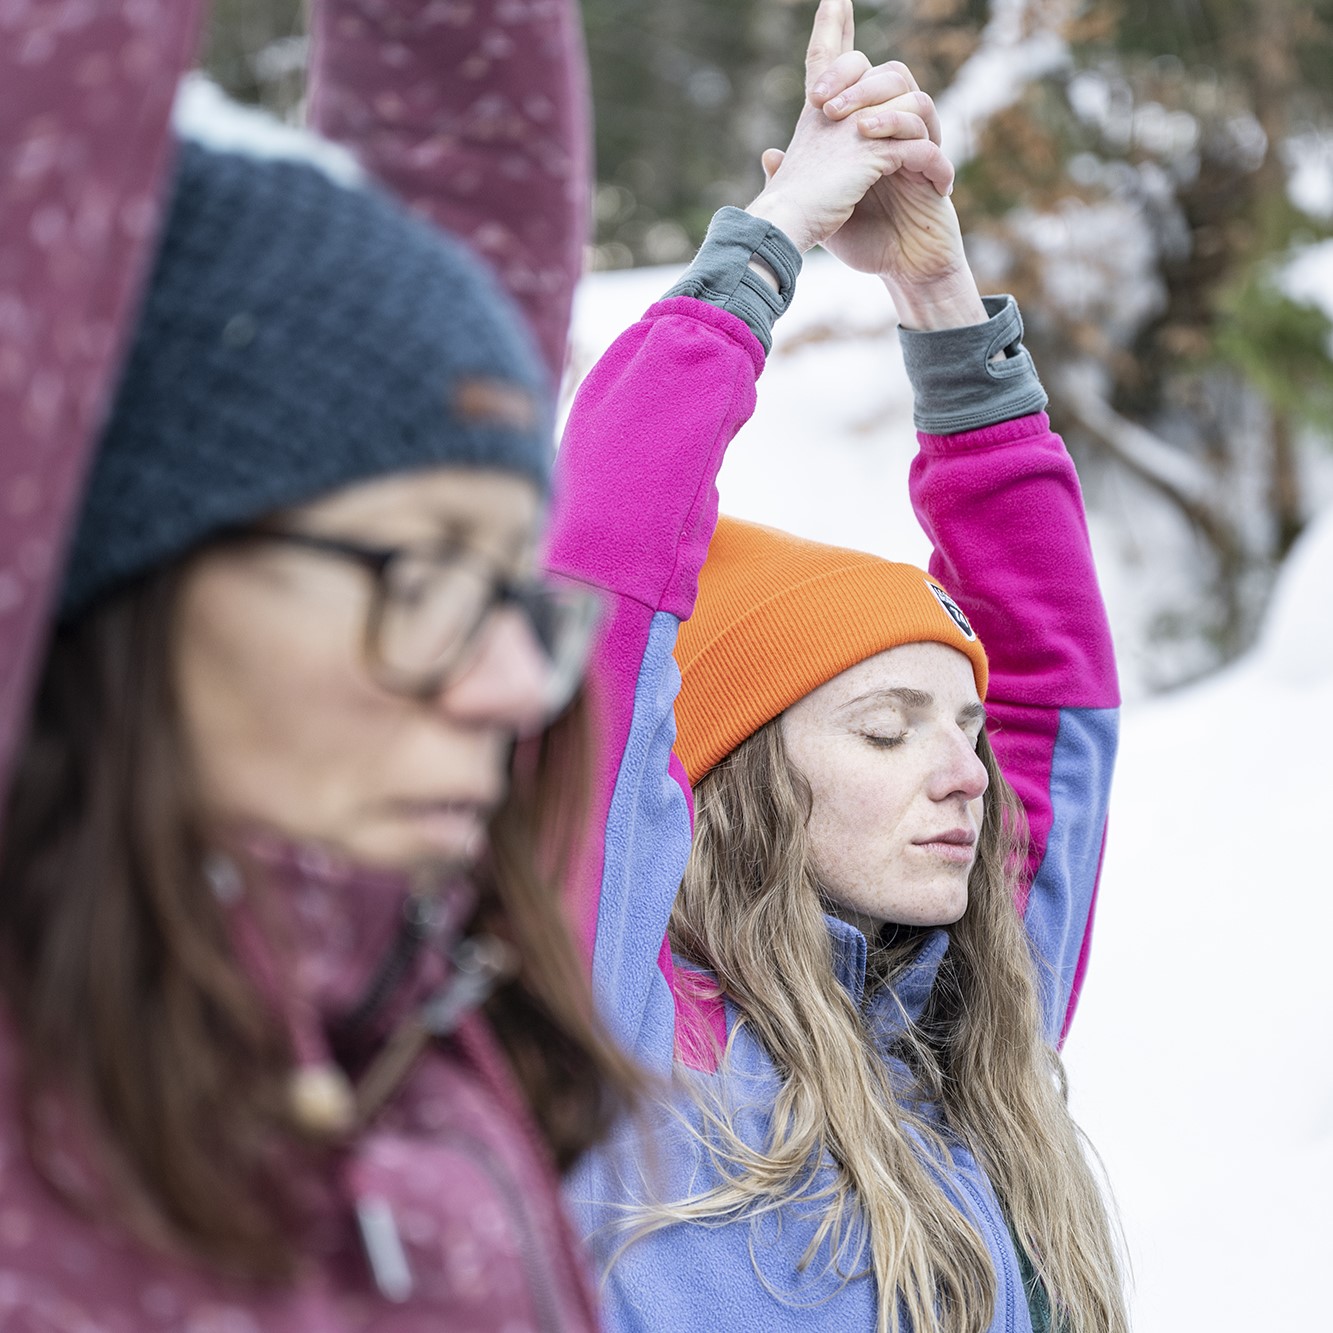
612, 679
1081, 971
677, 770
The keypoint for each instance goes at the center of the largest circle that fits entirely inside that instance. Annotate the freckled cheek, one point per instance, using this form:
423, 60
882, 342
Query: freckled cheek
856, 832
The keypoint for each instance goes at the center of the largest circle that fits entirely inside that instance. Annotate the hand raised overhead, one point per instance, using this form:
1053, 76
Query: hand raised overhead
902, 226
832, 163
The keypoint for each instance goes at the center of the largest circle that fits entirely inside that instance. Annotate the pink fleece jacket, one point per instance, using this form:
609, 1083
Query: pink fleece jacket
636, 506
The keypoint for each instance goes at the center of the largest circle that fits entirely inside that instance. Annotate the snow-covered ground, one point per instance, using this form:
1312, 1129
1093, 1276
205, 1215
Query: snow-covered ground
1200, 1063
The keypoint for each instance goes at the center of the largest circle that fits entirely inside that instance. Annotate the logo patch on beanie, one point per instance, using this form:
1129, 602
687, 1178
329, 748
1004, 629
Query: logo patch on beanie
495, 403
953, 611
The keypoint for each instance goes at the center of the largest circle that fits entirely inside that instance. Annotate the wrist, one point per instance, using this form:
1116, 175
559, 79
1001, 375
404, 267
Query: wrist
746, 266
949, 302
788, 219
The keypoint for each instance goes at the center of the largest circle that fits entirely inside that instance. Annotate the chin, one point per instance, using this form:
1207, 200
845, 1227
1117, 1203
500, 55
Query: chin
953, 915
943, 909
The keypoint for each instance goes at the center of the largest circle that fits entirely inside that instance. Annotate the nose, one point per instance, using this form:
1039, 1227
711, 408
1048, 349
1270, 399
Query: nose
959, 770
506, 682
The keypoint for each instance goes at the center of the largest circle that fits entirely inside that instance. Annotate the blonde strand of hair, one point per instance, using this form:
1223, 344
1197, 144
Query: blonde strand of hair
750, 911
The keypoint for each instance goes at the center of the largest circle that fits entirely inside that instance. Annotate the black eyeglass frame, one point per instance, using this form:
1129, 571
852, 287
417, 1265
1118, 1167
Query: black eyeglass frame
531, 594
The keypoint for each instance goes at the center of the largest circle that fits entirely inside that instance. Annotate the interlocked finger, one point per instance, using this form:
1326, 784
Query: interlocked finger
921, 156
879, 84
899, 118
898, 67
849, 69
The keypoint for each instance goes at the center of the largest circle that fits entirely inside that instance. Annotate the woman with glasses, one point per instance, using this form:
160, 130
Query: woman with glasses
296, 1036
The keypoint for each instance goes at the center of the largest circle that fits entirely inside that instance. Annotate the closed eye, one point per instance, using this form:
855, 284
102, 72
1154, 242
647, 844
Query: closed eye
883, 742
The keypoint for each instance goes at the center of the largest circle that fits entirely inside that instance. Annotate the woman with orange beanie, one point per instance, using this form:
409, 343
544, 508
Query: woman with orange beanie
850, 853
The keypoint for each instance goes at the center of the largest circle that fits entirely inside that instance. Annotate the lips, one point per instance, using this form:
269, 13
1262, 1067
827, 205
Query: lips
954, 846
432, 805
956, 837
454, 829
455, 809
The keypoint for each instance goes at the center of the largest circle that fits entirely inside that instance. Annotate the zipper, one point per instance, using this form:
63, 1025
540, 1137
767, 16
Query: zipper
479, 964
540, 1281
998, 1246
422, 916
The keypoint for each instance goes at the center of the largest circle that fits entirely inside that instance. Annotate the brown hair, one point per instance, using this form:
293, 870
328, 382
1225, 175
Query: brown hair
751, 910
131, 1004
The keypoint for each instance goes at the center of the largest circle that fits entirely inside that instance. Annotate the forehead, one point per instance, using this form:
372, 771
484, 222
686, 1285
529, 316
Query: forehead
924, 668
473, 504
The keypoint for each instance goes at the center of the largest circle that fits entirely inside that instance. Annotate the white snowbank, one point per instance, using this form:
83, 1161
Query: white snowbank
1199, 1062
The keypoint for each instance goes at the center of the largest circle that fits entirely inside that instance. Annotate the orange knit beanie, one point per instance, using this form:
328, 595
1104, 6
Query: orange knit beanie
777, 616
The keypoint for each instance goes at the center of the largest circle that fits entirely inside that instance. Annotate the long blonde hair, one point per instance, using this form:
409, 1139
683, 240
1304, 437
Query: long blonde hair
842, 1137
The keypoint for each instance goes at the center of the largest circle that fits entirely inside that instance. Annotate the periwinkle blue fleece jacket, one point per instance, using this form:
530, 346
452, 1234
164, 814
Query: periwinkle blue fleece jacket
636, 505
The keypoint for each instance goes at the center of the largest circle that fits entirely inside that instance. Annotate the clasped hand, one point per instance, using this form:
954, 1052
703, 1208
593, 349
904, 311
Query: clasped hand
864, 174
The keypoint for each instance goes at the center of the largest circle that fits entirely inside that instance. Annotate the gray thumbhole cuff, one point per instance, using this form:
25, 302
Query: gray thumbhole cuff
721, 272
979, 375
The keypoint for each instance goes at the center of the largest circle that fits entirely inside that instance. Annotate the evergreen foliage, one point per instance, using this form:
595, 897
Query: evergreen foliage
1134, 195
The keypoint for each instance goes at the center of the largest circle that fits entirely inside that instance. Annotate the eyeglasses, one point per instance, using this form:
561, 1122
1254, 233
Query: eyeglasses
429, 607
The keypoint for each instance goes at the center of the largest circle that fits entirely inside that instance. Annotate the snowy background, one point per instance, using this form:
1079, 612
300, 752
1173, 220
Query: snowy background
1199, 1064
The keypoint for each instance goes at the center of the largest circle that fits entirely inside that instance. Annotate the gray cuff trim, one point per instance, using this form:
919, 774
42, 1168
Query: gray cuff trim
956, 383
721, 273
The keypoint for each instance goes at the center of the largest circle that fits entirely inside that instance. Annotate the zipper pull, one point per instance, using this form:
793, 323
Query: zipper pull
384, 1248
480, 963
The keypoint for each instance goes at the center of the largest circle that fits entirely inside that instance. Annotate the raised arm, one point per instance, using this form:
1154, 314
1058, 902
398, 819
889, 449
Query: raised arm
1002, 505
85, 104
635, 509
477, 116
997, 494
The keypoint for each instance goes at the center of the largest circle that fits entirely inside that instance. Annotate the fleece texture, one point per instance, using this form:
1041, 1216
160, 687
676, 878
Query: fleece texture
636, 505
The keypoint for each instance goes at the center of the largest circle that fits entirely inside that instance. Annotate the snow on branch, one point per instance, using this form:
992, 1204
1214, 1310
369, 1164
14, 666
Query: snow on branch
1181, 478
1015, 49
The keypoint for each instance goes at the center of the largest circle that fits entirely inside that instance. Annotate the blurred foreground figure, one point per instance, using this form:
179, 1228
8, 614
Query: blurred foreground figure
476, 116
294, 1031
870, 1131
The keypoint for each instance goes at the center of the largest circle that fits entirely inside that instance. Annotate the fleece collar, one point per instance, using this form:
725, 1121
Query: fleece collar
912, 989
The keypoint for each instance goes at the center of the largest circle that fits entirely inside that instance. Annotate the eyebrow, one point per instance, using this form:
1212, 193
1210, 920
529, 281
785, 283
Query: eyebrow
460, 530
901, 696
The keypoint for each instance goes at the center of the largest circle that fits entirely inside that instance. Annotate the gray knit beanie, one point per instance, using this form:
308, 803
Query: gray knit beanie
297, 334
